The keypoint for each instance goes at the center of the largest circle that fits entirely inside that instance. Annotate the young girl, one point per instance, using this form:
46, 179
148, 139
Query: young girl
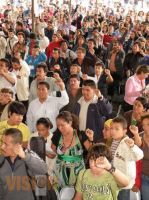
101, 180
43, 126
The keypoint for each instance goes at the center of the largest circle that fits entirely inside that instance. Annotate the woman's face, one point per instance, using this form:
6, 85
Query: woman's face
43, 131
63, 126
138, 107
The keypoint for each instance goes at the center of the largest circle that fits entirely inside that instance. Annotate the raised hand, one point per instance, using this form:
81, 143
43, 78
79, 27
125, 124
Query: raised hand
89, 134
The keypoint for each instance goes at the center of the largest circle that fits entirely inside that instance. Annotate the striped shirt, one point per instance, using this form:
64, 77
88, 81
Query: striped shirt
114, 146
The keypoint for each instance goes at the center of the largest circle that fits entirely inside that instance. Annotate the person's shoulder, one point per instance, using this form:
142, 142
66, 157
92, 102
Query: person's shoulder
3, 123
23, 126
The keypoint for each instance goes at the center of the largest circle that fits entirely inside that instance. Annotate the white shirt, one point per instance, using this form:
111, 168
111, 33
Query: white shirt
50, 108
83, 111
6, 84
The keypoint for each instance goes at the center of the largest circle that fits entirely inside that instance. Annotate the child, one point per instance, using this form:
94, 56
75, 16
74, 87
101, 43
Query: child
107, 133
101, 180
102, 77
124, 154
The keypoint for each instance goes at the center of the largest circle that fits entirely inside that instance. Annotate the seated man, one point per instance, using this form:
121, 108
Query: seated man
92, 109
16, 111
45, 105
15, 167
41, 72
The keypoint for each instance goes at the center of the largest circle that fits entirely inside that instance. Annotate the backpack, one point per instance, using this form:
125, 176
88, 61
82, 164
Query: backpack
37, 144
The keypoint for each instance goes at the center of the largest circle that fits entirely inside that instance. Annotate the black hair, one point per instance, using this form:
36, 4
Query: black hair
143, 101
69, 117
74, 76
44, 83
97, 150
89, 83
15, 60
42, 65
16, 107
45, 121
142, 68
6, 61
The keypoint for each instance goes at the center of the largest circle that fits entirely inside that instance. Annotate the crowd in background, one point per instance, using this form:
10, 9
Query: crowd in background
77, 89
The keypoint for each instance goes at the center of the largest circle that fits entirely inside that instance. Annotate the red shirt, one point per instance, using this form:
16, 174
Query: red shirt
107, 39
50, 48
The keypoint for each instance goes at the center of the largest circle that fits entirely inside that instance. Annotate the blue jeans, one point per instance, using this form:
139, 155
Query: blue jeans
124, 195
145, 187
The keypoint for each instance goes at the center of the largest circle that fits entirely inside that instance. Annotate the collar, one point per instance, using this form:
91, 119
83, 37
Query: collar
94, 100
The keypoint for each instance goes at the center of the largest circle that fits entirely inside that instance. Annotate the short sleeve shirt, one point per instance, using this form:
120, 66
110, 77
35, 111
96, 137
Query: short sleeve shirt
97, 188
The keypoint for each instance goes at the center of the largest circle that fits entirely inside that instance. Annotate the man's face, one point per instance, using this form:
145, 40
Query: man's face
35, 51
88, 93
42, 92
90, 45
135, 48
80, 54
64, 46
40, 73
55, 55
8, 146
16, 66
15, 118
74, 83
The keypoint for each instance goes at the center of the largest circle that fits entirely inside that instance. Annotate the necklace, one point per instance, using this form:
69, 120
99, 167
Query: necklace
64, 147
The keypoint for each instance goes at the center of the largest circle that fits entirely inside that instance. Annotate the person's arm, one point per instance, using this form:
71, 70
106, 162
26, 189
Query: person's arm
120, 178
137, 139
78, 196
109, 78
35, 165
8, 77
134, 153
90, 137
103, 105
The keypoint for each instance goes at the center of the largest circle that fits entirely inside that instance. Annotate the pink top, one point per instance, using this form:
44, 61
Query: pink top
133, 89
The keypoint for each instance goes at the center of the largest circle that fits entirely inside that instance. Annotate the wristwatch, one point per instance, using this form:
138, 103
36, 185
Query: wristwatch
112, 169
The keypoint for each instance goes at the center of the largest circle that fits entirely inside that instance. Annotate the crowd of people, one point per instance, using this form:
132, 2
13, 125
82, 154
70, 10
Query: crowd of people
74, 102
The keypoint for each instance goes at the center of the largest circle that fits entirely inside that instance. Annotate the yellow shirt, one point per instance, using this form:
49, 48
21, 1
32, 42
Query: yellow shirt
22, 127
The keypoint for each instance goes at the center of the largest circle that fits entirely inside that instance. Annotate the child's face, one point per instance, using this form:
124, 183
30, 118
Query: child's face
88, 92
93, 167
73, 70
106, 132
116, 130
98, 70
145, 124
42, 130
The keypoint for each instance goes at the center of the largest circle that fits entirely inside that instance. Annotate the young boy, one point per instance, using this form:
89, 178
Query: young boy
16, 111
101, 181
124, 154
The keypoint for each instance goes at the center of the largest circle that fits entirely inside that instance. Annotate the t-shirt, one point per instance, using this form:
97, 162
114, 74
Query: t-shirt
96, 188
22, 127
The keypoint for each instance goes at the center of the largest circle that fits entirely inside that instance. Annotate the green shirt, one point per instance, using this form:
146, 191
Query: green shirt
97, 188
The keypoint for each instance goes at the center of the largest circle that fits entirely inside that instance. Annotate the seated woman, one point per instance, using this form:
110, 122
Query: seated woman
68, 143
133, 117
43, 126
135, 86
101, 180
